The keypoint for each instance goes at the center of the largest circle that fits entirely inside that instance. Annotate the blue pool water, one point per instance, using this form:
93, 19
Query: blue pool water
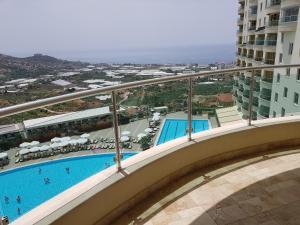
28, 182
175, 128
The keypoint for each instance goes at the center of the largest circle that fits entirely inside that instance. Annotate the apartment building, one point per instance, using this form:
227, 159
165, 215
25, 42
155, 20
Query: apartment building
268, 34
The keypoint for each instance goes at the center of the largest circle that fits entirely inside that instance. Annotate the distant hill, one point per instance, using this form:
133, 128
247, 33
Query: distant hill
33, 66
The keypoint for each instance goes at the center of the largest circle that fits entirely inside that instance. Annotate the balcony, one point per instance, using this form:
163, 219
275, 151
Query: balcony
241, 10
270, 42
272, 26
264, 111
251, 29
288, 23
266, 97
144, 175
260, 42
258, 58
269, 61
266, 83
273, 7
252, 14
255, 101
240, 21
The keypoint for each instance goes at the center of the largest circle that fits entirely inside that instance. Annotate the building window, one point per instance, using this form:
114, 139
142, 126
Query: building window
282, 111
288, 71
285, 92
276, 97
282, 37
280, 57
274, 114
291, 46
296, 98
278, 77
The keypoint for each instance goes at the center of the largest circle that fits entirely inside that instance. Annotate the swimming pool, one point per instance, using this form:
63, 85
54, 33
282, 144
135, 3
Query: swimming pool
175, 128
38, 183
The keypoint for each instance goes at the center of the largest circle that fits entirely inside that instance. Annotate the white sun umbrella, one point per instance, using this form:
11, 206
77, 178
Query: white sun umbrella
3, 155
156, 118
82, 140
24, 151
63, 143
54, 145
34, 149
84, 135
24, 145
126, 133
156, 114
73, 142
44, 148
34, 143
56, 139
64, 139
141, 135
148, 130
124, 138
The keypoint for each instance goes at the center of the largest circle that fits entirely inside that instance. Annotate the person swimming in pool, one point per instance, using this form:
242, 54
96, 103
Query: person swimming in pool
6, 199
18, 199
40, 170
107, 165
68, 170
19, 211
46, 180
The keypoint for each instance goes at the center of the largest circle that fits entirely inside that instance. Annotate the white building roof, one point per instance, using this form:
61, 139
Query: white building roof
61, 82
68, 117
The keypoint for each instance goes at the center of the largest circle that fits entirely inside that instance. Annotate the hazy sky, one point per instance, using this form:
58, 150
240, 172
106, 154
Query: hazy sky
29, 26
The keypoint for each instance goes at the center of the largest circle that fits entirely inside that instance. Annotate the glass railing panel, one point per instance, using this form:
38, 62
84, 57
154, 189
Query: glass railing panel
287, 19
271, 42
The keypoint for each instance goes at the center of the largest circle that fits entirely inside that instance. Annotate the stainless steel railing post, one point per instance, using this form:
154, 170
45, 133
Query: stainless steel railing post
251, 97
116, 130
190, 93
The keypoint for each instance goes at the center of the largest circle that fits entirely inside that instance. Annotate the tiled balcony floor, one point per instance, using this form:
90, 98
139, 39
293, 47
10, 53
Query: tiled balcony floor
264, 190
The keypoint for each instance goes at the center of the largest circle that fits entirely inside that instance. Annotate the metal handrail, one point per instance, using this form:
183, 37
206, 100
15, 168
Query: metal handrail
12, 110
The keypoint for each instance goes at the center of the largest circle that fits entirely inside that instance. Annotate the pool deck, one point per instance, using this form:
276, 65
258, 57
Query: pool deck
135, 128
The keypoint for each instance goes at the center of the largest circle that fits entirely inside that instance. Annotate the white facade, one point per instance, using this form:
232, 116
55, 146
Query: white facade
269, 33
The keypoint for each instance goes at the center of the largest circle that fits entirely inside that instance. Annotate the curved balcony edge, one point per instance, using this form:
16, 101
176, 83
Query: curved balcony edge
105, 196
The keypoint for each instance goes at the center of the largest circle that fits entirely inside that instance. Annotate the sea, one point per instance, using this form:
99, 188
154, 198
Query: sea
166, 55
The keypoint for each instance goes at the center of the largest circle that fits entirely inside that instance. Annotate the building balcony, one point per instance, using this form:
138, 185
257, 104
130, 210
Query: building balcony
251, 30
289, 3
255, 101
258, 58
270, 42
259, 42
273, 7
240, 21
241, 10
264, 111
264, 100
272, 26
288, 23
269, 61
